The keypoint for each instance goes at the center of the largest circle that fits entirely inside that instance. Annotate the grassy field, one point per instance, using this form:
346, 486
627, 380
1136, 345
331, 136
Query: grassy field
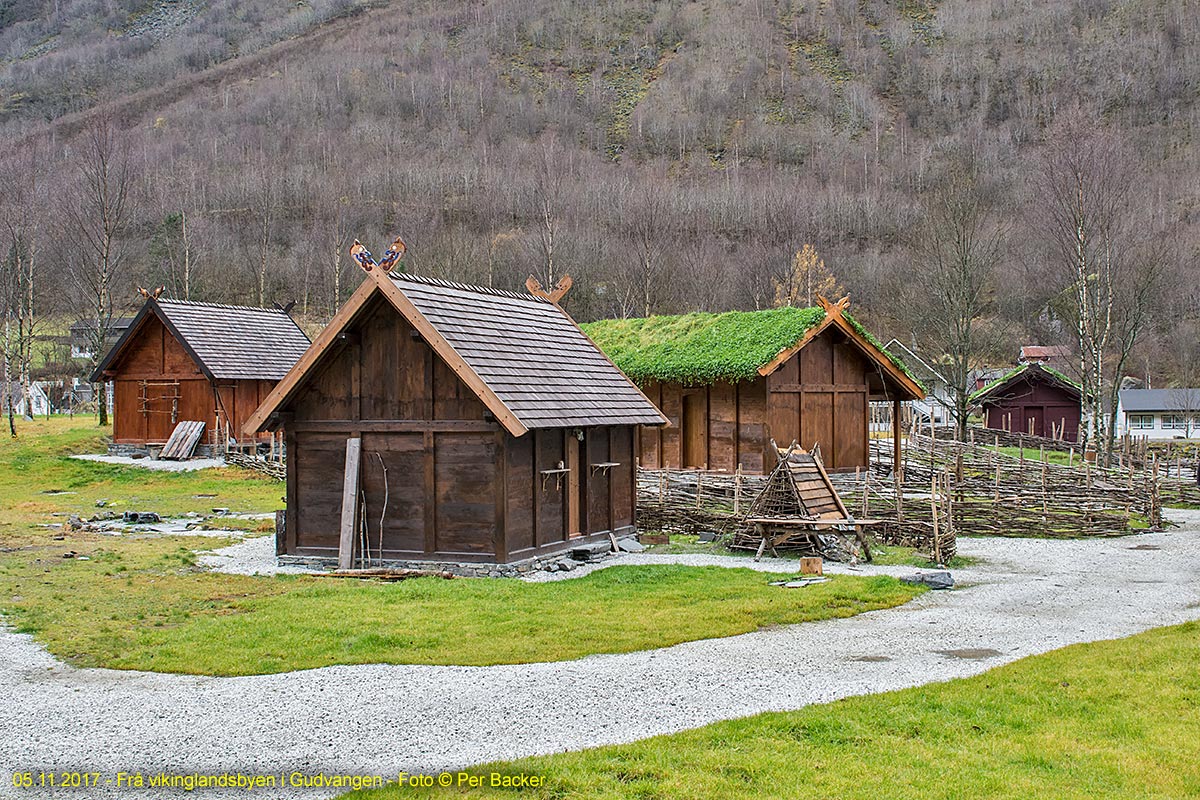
140, 602
1117, 719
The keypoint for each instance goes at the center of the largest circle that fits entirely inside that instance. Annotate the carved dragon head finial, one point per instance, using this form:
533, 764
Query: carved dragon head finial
534, 287
833, 309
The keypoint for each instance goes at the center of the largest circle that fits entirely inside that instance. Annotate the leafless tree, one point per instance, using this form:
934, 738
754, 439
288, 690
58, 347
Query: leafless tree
947, 295
20, 214
1087, 212
97, 215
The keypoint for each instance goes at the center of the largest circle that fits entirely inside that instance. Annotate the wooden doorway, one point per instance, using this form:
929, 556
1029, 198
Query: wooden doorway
575, 484
694, 431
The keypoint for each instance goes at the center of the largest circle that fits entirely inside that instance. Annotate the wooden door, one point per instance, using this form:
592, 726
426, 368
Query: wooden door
575, 486
695, 430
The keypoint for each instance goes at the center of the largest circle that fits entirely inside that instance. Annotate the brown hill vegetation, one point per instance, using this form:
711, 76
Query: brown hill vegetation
670, 156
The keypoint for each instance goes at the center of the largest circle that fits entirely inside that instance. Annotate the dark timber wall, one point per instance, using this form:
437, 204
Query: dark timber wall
1033, 405
459, 487
819, 396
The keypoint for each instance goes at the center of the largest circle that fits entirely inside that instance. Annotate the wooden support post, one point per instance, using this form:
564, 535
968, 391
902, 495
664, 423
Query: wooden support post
896, 465
933, 503
349, 503
737, 490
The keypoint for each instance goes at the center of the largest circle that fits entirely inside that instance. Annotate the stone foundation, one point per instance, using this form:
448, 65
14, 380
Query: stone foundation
152, 451
559, 561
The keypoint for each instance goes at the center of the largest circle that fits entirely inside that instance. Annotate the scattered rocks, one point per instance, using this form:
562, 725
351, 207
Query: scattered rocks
590, 552
141, 518
934, 580
69, 554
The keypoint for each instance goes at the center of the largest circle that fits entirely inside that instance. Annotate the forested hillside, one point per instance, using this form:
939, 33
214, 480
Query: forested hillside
669, 156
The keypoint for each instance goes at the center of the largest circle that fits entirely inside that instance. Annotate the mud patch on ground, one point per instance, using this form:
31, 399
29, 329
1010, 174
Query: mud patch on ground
970, 653
872, 659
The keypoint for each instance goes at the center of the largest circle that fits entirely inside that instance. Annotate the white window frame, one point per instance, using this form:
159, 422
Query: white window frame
1140, 422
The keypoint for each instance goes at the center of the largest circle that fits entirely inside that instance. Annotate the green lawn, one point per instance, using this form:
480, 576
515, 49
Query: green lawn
1034, 454
1118, 719
142, 603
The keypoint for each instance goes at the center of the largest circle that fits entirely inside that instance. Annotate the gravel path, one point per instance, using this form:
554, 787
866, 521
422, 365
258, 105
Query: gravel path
155, 464
1025, 597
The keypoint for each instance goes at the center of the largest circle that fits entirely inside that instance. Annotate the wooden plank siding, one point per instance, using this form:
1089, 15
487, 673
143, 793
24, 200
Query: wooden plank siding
459, 487
818, 396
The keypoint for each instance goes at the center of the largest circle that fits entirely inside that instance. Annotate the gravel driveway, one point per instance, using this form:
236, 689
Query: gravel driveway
1026, 597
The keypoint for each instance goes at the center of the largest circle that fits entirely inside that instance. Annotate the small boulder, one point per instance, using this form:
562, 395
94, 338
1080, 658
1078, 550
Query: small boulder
934, 580
590, 552
631, 546
707, 537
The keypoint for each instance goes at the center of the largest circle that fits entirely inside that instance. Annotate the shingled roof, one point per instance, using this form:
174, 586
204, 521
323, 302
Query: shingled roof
227, 342
522, 355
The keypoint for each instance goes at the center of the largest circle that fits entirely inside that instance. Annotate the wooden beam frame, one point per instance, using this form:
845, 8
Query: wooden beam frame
327, 338
350, 482
834, 318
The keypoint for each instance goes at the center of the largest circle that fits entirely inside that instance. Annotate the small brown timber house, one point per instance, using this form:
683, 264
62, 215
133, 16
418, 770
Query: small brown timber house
731, 383
1035, 399
181, 360
484, 426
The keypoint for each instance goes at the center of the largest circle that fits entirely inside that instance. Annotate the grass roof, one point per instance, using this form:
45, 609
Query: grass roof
702, 348
1013, 373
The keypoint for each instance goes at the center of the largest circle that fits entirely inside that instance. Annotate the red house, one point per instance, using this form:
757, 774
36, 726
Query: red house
1033, 399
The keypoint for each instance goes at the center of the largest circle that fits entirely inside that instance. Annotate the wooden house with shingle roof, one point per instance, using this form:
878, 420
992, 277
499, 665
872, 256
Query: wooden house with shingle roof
473, 425
730, 383
180, 360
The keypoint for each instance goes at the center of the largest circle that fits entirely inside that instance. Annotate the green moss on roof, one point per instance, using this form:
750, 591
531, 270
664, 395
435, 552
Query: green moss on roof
701, 348
1013, 373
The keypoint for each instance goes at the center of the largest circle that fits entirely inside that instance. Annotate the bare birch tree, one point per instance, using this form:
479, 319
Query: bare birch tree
97, 216
1087, 214
20, 217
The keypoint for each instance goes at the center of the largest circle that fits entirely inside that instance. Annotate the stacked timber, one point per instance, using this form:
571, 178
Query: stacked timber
273, 468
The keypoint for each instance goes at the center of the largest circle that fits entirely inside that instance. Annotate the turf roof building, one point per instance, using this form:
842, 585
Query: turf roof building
731, 383
1034, 399
437, 422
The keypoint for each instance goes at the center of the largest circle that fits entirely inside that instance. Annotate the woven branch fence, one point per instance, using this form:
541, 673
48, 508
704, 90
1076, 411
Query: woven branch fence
948, 488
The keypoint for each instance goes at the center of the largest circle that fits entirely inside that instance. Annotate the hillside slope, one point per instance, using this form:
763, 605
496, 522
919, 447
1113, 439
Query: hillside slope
671, 156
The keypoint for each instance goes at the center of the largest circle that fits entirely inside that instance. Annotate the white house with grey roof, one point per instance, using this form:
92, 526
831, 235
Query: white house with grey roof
1159, 413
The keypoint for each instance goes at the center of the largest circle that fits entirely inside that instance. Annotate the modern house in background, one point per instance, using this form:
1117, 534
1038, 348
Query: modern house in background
180, 360
1055, 356
1159, 413
453, 423
1033, 399
731, 383
938, 403
83, 336
11, 394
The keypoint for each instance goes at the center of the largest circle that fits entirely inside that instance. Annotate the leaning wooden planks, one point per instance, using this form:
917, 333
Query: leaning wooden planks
183, 441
